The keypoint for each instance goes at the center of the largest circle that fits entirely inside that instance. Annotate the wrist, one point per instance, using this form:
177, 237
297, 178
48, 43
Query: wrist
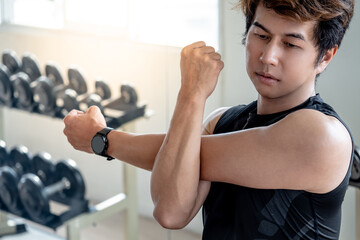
191, 96
111, 142
100, 143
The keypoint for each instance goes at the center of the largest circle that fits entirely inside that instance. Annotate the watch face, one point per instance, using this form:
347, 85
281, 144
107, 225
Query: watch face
98, 144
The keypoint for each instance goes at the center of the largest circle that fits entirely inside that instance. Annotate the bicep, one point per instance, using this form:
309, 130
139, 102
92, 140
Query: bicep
288, 154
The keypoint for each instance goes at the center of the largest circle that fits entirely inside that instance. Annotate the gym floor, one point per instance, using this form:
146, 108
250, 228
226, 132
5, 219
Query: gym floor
109, 229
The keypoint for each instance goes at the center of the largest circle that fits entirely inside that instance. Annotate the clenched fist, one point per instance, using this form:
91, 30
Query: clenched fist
81, 127
200, 69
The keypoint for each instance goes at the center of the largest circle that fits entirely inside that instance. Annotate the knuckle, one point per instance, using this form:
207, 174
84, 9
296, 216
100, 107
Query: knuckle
197, 52
207, 58
93, 109
214, 65
221, 65
185, 51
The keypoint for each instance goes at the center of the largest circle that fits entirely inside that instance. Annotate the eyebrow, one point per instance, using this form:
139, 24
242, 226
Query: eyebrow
294, 35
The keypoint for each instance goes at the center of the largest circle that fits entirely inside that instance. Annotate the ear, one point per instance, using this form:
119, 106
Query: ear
326, 59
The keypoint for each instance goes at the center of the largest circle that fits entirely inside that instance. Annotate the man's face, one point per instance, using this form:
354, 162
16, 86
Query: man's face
280, 55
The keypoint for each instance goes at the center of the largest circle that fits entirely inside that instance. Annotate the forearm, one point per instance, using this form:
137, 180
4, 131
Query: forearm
175, 177
176, 190
139, 150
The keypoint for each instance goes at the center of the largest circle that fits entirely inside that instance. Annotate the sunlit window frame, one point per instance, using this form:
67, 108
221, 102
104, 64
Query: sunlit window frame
72, 27
1, 12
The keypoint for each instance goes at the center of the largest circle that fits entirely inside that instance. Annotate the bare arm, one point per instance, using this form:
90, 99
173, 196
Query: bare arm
176, 190
137, 149
307, 150
290, 154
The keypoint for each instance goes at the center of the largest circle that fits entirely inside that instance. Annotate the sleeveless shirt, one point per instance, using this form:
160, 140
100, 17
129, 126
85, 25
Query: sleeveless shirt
232, 212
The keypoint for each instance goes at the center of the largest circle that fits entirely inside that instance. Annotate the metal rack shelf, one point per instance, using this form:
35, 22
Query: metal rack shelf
125, 201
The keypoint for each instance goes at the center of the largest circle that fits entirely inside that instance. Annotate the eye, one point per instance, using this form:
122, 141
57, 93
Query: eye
261, 36
290, 45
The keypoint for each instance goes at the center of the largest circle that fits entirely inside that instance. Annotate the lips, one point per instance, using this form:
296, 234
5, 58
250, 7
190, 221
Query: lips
267, 75
267, 78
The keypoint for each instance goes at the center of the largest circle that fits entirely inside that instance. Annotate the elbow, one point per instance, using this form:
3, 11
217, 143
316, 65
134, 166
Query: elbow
169, 219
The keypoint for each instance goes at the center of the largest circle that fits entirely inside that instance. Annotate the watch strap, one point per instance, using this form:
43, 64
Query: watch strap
105, 132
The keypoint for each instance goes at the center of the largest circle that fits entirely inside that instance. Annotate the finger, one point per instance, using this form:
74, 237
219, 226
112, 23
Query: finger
208, 50
75, 112
71, 114
221, 65
93, 110
215, 56
198, 44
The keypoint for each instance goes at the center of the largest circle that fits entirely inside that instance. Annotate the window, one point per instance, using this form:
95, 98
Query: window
112, 13
37, 13
166, 22
175, 22
1, 11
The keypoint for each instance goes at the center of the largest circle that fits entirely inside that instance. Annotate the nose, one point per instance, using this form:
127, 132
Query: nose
270, 54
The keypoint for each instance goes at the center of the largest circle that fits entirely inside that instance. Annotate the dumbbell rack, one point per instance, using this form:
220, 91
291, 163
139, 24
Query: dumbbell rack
89, 215
124, 113
10, 226
123, 201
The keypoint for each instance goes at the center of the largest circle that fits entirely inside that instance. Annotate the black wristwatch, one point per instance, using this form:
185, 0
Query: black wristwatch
99, 143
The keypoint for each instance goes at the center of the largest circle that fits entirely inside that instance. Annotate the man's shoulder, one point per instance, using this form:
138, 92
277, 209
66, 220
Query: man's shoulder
212, 119
315, 123
322, 141
313, 119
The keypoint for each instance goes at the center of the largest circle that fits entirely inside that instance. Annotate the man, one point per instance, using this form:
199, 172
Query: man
277, 168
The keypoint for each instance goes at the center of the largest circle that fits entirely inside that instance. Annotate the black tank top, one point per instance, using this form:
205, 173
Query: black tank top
232, 212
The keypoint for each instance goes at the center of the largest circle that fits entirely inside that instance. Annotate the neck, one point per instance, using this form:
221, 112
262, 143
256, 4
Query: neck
266, 105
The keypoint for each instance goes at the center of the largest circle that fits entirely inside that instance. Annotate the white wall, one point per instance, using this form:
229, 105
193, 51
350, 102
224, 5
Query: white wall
236, 87
339, 85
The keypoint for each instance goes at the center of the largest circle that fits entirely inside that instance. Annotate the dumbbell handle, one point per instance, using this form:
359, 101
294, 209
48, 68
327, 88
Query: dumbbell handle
57, 187
19, 168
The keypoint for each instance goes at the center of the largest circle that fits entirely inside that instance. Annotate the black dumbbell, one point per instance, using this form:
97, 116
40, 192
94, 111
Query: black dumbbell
35, 195
116, 107
6, 88
128, 98
127, 101
11, 61
51, 88
30, 66
19, 163
4, 153
44, 167
11, 65
120, 110
82, 102
24, 83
